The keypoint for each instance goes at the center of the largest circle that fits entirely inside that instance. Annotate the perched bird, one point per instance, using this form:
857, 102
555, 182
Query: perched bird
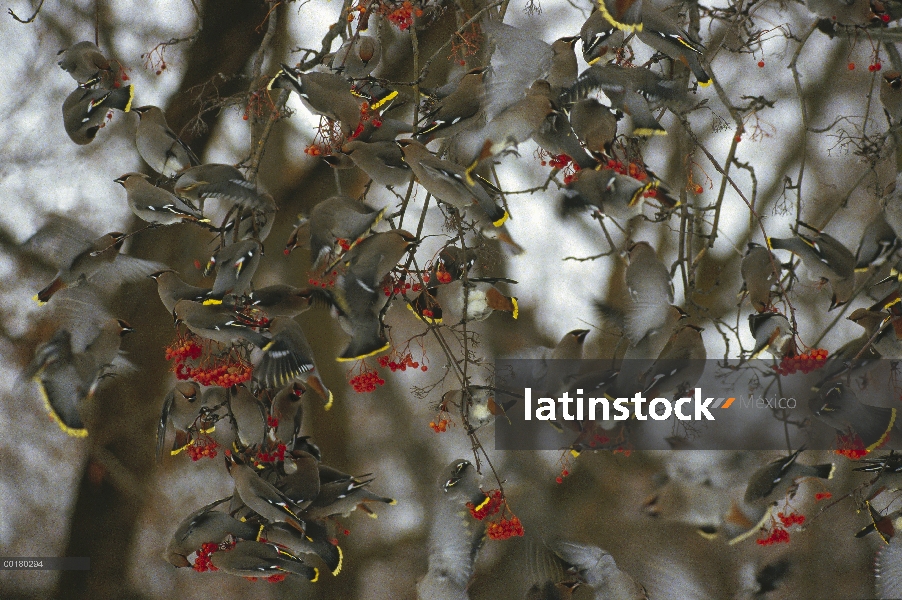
878, 243
172, 289
312, 542
280, 300
837, 406
598, 36
382, 161
358, 292
843, 12
67, 376
479, 405
235, 266
340, 498
181, 408
87, 65
888, 473
760, 271
615, 195
826, 259
248, 416
886, 343
205, 526
853, 359
261, 496
773, 333
287, 412
85, 110
650, 288
594, 124
326, 94
662, 34
449, 182
627, 89
357, 57
83, 261
479, 295
771, 483
159, 146
155, 205
455, 537
891, 96
249, 558
680, 364
339, 220
461, 109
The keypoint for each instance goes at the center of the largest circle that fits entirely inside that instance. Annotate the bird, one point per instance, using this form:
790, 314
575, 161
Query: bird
826, 259
205, 526
286, 356
218, 181
261, 496
83, 261
773, 333
171, 289
887, 344
878, 243
650, 289
888, 473
326, 94
772, 482
358, 292
247, 414
479, 295
159, 145
449, 182
597, 569
625, 15
250, 558
181, 408
313, 541
760, 270
598, 36
382, 161
891, 96
837, 406
67, 376
340, 498
615, 195
664, 35
455, 538
357, 57
281, 300
87, 65
594, 124
341, 220
235, 266
155, 205
680, 364
286, 414
843, 12
459, 110
85, 110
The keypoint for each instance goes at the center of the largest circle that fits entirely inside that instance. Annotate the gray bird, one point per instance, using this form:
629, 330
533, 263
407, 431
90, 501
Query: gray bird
461, 109
172, 289
594, 124
357, 57
326, 94
286, 356
155, 205
382, 161
760, 271
887, 471
261, 496
826, 259
217, 181
598, 36
87, 65
247, 415
615, 195
837, 406
235, 266
886, 343
480, 297
358, 292
878, 244
888, 572
771, 483
66, 376
650, 288
85, 110
597, 569
680, 364
287, 412
335, 220
341, 498
624, 15
159, 146
205, 526
664, 35
455, 537
280, 300
891, 96
181, 408
253, 559
773, 333
449, 182
313, 542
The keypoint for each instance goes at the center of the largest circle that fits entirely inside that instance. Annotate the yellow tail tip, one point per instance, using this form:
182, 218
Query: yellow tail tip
648, 131
213, 301
516, 312
704, 83
501, 221
341, 559
574, 453
328, 404
38, 300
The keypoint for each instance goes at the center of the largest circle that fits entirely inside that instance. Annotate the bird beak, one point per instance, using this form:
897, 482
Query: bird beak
121, 180
126, 328
581, 334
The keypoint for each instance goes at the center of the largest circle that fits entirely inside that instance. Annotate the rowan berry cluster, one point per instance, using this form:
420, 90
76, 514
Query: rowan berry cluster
807, 362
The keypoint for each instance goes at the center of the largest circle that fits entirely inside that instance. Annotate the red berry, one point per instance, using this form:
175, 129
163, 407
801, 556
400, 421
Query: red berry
761, 63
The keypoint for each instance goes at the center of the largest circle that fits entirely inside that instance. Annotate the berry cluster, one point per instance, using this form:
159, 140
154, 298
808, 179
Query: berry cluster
493, 502
402, 285
791, 519
402, 364
440, 426
224, 375
805, 363
560, 478
504, 529
183, 349
401, 15
271, 457
202, 562
560, 162
202, 447
822, 496
366, 116
366, 382
875, 67
777, 535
